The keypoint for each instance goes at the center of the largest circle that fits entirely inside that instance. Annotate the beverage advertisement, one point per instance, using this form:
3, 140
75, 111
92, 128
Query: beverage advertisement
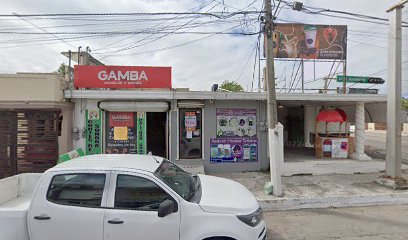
93, 132
292, 40
121, 133
234, 150
236, 122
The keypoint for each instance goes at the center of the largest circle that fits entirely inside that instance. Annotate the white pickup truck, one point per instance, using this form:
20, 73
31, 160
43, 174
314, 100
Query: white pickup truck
118, 197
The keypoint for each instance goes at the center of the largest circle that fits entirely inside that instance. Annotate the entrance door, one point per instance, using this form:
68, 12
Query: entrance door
28, 141
156, 133
190, 134
133, 211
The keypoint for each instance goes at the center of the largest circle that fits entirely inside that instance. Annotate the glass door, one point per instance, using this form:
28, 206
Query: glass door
190, 134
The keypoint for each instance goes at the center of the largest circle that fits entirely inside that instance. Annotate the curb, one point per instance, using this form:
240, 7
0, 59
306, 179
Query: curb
336, 201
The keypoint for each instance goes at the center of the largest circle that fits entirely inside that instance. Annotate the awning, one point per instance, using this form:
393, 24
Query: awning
134, 106
331, 115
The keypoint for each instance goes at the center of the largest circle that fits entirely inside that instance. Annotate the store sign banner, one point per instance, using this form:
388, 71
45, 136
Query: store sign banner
93, 132
86, 76
292, 40
121, 119
233, 150
121, 133
236, 122
141, 133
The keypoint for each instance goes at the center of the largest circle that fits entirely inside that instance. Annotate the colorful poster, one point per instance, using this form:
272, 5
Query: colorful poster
233, 150
93, 132
236, 122
121, 133
340, 148
141, 133
190, 121
293, 40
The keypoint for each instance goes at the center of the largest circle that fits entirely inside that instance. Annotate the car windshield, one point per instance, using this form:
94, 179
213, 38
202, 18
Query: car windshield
177, 179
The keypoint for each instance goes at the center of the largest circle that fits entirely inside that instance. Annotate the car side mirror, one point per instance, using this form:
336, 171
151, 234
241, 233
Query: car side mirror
166, 207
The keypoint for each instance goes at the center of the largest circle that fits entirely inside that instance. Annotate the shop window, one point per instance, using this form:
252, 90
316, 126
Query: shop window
190, 134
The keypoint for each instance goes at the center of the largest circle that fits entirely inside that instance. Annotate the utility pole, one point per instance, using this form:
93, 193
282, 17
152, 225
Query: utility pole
275, 131
393, 157
270, 66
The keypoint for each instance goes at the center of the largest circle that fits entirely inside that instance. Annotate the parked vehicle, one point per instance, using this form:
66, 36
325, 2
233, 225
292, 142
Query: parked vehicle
124, 197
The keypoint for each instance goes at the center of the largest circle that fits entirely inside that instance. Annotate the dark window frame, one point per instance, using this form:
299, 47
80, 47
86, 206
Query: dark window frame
75, 205
138, 209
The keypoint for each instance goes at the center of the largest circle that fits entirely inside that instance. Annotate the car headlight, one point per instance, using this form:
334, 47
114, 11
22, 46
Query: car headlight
252, 219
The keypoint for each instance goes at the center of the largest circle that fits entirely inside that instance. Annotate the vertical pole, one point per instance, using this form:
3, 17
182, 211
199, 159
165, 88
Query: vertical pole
303, 76
344, 76
270, 68
275, 133
259, 64
393, 157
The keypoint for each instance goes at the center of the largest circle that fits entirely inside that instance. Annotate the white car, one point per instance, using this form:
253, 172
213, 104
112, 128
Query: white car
117, 197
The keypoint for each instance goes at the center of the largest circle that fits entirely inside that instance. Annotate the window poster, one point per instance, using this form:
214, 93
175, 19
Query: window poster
233, 150
121, 132
93, 132
236, 122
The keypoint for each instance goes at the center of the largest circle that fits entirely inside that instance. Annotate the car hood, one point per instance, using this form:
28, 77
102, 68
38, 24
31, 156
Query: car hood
222, 195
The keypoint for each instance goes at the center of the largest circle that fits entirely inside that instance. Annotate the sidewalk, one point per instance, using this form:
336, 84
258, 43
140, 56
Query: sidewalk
321, 191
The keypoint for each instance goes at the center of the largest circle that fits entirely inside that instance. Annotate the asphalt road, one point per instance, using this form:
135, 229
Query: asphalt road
376, 142
359, 223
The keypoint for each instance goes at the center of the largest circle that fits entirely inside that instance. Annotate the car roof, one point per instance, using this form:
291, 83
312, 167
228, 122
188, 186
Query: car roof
147, 163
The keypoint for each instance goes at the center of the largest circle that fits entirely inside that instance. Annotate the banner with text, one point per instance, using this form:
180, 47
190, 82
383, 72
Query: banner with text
86, 76
233, 150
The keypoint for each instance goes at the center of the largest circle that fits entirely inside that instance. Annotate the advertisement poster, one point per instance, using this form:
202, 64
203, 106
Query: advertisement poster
93, 132
292, 40
190, 121
335, 147
121, 133
340, 148
141, 133
236, 122
234, 150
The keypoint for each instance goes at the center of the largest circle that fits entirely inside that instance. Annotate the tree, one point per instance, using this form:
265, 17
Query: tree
232, 86
61, 69
404, 104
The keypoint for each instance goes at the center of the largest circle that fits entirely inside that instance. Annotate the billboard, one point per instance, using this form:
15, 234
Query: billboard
86, 76
292, 40
234, 150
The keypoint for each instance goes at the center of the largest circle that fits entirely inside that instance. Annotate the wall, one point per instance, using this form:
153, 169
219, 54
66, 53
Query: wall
210, 126
31, 87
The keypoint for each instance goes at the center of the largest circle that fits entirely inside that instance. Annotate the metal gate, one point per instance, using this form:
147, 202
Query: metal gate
31, 141
8, 128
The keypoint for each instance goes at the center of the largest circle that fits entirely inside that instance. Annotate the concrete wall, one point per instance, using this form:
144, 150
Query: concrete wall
31, 87
210, 126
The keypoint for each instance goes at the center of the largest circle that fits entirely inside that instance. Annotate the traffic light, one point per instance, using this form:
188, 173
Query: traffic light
375, 80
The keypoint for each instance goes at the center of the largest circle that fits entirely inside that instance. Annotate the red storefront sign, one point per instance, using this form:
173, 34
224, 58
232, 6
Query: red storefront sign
86, 76
121, 119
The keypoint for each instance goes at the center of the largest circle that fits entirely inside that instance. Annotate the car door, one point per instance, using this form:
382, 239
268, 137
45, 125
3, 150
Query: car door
133, 214
69, 206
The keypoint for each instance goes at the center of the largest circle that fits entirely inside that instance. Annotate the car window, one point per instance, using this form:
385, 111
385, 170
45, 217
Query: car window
138, 193
84, 190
